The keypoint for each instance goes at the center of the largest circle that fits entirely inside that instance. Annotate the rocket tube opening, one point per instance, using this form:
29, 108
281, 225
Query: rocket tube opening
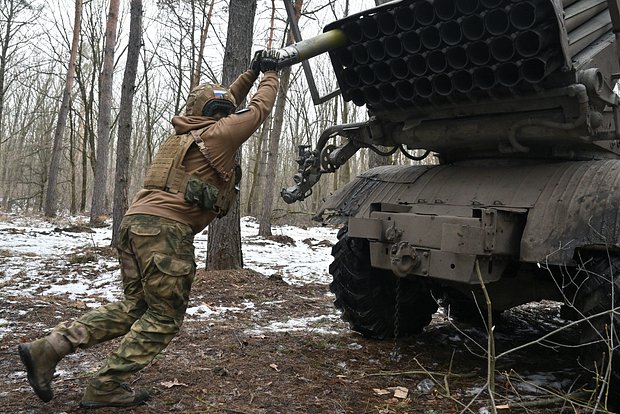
478, 53
430, 38
411, 42
386, 23
353, 31
424, 13
351, 77
497, 22
456, 57
370, 28
463, 81
375, 50
473, 27
442, 84
451, 33
372, 95
436, 61
345, 57
417, 65
366, 74
399, 68
445, 9
484, 77
467, 6
388, 92
405, 90
382, 71
360, 54
393, 46
502, 48
405, 17
528, 43
508, 74
524, 15
423, 87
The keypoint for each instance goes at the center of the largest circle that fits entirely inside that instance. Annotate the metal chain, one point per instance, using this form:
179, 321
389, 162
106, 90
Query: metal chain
395, 349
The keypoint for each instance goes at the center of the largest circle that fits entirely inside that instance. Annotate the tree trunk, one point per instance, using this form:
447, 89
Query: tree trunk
264, 228
258, 173
203, 39
121, 180
224, 243
100, 180
49, 207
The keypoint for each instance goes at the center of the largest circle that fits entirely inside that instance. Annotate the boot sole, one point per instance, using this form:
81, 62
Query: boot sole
92, 404
24, 354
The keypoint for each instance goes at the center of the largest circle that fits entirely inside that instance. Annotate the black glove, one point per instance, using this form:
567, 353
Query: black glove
269, 60
255, 63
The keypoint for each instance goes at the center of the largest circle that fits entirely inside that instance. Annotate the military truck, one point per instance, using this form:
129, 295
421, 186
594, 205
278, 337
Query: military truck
516, 101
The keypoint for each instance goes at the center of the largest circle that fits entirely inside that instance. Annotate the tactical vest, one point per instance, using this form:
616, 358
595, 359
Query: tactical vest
167, 173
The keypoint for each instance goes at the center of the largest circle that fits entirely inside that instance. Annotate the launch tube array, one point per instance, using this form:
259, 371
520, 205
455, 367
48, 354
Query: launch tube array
419, 51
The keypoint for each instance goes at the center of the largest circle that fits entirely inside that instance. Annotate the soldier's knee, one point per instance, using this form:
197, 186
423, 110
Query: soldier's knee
137, 308
163, 322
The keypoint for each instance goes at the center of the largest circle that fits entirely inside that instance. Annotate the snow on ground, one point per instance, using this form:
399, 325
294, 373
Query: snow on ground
39, 257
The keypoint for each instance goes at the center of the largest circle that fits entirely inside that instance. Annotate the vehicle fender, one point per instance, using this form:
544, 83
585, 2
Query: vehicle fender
569, 205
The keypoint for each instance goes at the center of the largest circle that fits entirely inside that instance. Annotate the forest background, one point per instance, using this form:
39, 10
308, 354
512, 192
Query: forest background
86, 85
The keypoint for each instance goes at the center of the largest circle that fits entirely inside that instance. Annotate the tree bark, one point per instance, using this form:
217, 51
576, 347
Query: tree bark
100, 180
49, 207
121, 179
264, 228
224, 242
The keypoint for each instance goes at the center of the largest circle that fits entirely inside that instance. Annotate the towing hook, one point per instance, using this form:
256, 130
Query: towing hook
403, 258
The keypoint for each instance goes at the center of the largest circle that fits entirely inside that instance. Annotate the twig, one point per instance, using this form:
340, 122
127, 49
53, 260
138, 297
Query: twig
490, 341
241, 345
419, 372
545, 401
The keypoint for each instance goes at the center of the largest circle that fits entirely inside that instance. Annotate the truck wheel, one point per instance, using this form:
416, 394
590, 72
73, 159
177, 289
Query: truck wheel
599, 293
367, 296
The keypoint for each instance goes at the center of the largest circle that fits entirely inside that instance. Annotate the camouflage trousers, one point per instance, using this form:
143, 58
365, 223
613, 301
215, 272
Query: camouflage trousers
157, 270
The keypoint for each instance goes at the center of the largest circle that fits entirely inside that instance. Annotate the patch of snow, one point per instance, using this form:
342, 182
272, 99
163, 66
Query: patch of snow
35, 260
317, 324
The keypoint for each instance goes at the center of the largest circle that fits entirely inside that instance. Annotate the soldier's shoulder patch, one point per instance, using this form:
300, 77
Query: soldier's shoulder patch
242, 111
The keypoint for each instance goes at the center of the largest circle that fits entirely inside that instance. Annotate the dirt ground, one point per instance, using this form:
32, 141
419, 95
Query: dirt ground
231, 364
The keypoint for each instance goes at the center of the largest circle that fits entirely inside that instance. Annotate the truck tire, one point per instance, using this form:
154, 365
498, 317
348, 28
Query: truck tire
595, 296
367, 296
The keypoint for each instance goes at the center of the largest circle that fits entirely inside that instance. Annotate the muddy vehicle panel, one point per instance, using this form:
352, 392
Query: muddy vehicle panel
516, 101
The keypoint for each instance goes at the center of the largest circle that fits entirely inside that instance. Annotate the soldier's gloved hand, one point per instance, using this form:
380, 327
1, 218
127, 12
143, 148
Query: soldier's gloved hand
269, 60
255, 63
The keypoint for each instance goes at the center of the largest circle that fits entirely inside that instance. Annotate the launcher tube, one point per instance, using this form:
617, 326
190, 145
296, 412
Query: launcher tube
309, 48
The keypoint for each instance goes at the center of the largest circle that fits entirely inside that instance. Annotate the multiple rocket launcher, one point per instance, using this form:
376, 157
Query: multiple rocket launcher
410, 53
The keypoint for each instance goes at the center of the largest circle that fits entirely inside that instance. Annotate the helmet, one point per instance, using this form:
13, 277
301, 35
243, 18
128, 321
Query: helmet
209, 98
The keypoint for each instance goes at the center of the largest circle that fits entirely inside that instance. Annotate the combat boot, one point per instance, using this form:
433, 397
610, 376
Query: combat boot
101, 394
40, 358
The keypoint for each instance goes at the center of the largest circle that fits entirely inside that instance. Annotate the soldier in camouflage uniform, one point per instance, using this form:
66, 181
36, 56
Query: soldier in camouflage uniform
192, 181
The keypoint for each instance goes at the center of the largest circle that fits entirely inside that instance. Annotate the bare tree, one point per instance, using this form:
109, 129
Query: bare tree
121, 181
54, 166
206, 21
264, 228
11, 23
105, 111
224, 244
